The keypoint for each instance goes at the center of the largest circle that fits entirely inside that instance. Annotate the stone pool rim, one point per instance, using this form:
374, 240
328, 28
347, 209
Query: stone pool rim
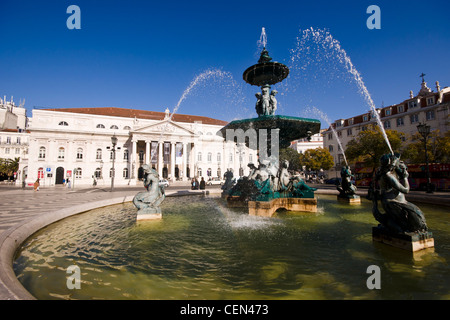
13, 238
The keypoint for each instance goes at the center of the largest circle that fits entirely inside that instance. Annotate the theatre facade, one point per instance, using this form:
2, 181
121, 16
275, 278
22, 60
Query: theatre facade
76, 144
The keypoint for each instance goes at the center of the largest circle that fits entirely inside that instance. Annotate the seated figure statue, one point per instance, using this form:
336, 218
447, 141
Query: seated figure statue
400, 215
149, 201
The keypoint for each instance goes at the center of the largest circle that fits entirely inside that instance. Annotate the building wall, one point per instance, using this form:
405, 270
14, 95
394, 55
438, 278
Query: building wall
427, 107
74, 140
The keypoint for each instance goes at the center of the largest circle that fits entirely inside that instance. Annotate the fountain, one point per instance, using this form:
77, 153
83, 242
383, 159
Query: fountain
204, 249
269, 186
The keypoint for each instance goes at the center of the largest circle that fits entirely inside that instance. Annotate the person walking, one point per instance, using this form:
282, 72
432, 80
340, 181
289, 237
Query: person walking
36, 185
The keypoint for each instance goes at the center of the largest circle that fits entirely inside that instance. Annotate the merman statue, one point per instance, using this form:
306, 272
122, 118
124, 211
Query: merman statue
400, 215
148, 202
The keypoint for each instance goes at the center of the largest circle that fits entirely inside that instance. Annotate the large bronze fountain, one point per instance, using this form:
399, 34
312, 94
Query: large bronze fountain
269, 186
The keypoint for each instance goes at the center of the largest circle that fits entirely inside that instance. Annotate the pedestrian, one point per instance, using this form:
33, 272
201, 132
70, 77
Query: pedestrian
36, 185
68, 183
202, 184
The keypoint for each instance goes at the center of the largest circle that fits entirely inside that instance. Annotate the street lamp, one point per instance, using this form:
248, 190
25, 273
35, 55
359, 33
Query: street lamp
113, 150
424, 131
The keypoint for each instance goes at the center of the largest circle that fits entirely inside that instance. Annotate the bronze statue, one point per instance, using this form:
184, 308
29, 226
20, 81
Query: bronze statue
148, 202
400, 215
346, 188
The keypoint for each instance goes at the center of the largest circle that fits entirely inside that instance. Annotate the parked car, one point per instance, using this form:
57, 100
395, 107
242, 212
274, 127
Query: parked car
164, 183
333, 181
215, 181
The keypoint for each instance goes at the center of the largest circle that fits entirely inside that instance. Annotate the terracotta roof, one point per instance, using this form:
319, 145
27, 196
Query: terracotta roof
140, 114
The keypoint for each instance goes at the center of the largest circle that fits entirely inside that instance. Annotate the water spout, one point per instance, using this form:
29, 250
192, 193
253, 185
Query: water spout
324, 117
263, 38
330, 49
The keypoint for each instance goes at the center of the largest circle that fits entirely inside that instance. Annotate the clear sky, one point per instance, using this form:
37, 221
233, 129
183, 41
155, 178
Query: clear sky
145, 54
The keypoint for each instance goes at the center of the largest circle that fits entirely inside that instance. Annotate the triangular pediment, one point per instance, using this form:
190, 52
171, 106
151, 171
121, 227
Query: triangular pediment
166, 126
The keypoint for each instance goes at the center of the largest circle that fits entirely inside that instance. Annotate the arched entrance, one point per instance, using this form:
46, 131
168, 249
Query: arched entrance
59, 175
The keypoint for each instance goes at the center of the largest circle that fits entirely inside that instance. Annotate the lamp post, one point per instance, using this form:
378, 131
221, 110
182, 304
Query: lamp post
424, 131
113, 150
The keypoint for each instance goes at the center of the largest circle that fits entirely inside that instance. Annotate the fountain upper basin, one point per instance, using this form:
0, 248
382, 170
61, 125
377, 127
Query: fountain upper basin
290, 128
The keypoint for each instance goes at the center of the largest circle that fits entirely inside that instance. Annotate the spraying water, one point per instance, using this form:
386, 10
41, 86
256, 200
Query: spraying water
263, 38
324, 117
202, 78
330, 49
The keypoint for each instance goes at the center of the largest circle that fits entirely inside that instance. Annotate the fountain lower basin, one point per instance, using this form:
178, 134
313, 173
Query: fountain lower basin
203, 250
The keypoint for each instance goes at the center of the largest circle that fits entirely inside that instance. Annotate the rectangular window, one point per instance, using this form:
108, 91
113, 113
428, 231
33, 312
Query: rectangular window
430, 101
8, 140
400, 122
349, 132
387, 124
430, 115
330, 148
412, 104
330, 136
414, 118
365, 117
388, 112
17, 151
7, 150
400, 108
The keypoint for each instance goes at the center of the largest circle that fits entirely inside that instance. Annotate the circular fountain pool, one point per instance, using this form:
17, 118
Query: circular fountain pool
203, 250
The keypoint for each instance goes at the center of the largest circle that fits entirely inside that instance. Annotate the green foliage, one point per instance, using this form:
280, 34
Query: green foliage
316, 159
438, 148
292, 156
8, 166
369, 145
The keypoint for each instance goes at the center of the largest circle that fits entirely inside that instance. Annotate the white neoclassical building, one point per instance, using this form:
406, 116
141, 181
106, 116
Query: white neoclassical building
75, 144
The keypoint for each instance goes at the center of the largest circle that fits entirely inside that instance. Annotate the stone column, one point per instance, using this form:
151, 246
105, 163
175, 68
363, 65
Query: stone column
184, 162
172, 160
133, 159
147, 153
160, 158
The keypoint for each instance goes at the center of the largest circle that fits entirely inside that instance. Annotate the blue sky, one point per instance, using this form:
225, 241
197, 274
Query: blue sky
144, 55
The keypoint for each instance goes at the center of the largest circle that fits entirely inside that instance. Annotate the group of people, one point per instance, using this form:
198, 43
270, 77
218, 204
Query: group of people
195, 185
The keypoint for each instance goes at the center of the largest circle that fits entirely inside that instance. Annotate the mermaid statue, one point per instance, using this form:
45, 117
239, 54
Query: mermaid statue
400, 216
148, 202
346, 189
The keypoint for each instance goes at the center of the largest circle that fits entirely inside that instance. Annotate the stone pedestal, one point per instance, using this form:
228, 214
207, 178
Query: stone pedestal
350, 199
410, 241
268, 208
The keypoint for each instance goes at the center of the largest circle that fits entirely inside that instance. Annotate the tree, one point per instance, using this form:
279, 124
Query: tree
8, 167
369, 145
438, 148
292, 156
316, 159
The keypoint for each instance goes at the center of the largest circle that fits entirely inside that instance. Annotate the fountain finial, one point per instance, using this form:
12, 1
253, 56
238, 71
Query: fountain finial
264, 56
